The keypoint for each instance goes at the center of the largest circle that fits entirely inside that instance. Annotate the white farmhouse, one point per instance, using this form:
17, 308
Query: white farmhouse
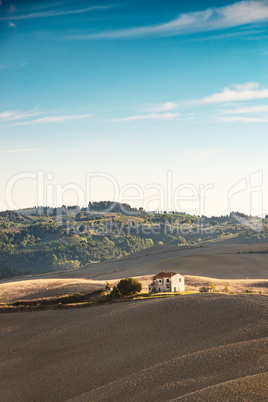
167, 282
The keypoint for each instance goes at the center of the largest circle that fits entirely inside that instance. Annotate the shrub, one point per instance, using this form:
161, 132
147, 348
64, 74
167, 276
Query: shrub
129, 286
204, 289
114, 293
212, 286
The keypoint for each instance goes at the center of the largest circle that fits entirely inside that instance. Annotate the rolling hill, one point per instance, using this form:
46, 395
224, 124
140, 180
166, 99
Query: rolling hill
192, 347
218, 261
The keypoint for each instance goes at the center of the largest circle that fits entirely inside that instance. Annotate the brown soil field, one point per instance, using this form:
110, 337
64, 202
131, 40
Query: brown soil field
243, 266
37, 288
219, 261
191, 347
209, 347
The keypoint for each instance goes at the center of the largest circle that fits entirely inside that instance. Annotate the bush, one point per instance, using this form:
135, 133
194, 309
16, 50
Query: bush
212, 287
114, 293
129, 286
204, 289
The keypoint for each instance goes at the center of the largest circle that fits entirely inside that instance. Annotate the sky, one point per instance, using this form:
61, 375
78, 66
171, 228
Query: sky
162, 105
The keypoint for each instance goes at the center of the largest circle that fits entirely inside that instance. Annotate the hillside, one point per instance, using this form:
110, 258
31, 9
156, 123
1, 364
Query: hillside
193, 347
217, 261
40, 289
41, 240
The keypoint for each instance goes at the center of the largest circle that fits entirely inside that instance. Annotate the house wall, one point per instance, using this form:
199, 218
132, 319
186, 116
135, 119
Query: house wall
177, 282
164, 284
168, 284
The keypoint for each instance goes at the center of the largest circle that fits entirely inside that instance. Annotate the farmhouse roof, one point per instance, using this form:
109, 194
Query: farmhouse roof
163, 274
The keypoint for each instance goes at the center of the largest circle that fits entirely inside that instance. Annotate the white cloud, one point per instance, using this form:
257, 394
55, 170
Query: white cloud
26, 117
54, 119
11, 25
234, 15
9, 151
16, 115
53, 13
198, 155
151, 116
248, 91
165, 107
243, 119
247, 110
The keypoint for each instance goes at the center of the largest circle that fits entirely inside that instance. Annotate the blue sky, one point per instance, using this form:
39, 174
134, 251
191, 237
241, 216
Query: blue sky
134, 90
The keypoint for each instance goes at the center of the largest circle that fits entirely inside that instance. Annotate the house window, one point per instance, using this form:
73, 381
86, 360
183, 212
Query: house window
180, 280
159, 280
167, 280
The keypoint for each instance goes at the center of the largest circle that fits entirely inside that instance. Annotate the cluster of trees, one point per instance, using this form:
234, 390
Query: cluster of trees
126, 287
109, 206
251, 237
26, 250
9, 272
12, 242
64, 264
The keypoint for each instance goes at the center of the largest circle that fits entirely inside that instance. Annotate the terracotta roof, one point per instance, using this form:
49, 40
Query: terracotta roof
164, 275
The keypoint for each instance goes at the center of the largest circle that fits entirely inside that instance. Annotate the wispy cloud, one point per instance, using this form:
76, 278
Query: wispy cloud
241, 33
264, 53
165, 107
234, 15
52, 13
243, 119
16, 115
44, 6
11, 25
248, 91
200, 155
11, 8
54, 119
151, 116
10, 151
7, 66
246, 110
